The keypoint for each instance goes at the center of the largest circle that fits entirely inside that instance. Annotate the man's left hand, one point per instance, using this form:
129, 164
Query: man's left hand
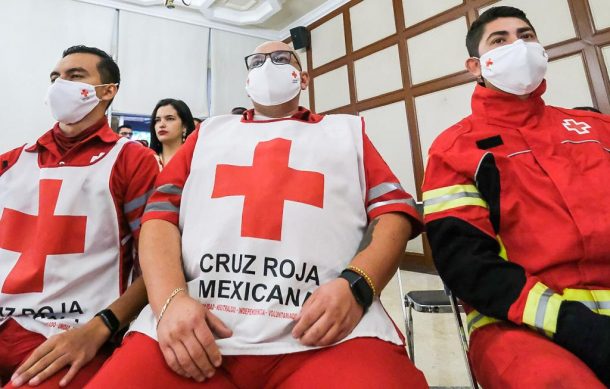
328, 315
75, 347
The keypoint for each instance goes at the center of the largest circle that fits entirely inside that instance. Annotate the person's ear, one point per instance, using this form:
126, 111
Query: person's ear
304, 79
108, 92
473, 65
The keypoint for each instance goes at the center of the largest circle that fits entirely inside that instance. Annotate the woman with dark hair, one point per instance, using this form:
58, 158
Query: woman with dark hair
171, 122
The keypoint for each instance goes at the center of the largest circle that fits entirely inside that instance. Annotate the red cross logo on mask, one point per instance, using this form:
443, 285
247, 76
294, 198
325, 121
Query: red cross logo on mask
488, 63
84, 93
294, 74
266, 185
580, 128
36, 237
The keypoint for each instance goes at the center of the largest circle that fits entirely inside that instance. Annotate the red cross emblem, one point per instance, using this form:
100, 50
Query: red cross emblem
266, 185
294, 74
84, 93
489, 62
580, 128
36, 236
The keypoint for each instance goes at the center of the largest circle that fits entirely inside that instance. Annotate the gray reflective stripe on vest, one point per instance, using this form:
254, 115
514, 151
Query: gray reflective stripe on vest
170, 189
449, 197
161, 206
410, 202
135, 224
137, 202
382, 189
541, 311
126, 239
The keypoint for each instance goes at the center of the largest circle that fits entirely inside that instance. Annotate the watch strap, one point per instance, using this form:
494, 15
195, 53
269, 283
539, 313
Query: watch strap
110, 320
361, 290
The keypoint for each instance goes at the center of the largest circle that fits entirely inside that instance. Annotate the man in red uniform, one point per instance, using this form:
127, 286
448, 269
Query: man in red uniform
70, 209
264, 248
515, 207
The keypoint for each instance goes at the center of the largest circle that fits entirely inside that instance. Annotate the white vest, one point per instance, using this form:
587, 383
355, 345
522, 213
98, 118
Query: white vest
72, 238
254, 258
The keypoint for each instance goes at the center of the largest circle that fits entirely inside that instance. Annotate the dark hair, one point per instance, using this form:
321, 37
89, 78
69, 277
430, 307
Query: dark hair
592, 109
197, 120
475, 32
183, 112
124, 126
238, 110
109, 70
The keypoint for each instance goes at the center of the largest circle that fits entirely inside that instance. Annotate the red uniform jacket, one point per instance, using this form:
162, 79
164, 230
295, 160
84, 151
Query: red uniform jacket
516, 203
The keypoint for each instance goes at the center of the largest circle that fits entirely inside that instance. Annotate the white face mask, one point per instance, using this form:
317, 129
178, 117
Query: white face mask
272, 84
71, 101
517, 68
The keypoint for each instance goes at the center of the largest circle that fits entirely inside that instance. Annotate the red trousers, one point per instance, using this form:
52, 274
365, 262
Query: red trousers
358, 363
506, 356
17, 343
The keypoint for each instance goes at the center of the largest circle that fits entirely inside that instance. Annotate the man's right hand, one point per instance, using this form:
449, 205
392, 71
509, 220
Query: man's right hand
186, 338
587, 335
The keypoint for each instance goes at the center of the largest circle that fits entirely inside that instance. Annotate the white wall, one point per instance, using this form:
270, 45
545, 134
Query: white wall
158, 58
161, 58
34, 35
227, 52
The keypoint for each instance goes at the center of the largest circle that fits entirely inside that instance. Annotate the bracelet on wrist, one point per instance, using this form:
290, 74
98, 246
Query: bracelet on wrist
169, 300
365, 276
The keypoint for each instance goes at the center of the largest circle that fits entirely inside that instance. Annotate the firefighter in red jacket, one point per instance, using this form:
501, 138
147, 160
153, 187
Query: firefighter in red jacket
515, 204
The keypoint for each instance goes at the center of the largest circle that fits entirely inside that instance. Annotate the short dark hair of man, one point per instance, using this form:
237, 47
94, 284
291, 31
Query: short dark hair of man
199, 121
238, 111
109, 70
184, 112
585, 108
124, 126
475, 33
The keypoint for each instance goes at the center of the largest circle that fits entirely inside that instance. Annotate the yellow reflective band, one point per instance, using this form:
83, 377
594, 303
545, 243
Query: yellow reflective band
601, 295
476, 320
448, 190
597, 296
502, 252
542, 308
596, 300
449, 197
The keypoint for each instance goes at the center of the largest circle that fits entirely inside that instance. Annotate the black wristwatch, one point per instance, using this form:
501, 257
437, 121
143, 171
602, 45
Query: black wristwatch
110, 320
360, 288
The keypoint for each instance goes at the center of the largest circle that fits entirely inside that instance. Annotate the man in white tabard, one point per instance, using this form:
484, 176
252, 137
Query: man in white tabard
70, 208
264, 249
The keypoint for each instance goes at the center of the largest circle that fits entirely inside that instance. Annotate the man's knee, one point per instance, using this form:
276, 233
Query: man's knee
509, 356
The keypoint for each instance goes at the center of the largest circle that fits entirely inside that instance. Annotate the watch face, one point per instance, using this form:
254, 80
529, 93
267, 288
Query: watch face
363, 292
360, 289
